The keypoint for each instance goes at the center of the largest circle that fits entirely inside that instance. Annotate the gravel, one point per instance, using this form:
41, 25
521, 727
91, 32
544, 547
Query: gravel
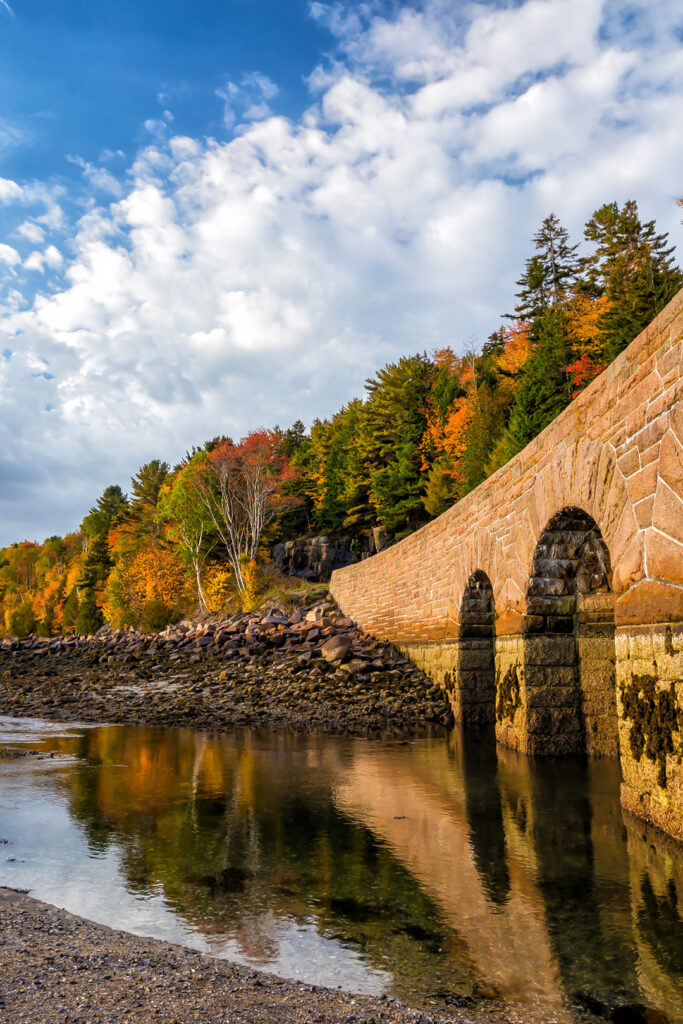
56, 968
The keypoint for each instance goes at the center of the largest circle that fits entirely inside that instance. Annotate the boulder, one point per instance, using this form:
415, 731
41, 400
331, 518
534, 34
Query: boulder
336, 648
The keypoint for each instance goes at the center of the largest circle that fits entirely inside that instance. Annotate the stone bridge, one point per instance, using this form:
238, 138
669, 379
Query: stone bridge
550, 599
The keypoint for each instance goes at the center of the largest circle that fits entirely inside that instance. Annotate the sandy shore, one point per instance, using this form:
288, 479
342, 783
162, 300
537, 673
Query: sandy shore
56, 968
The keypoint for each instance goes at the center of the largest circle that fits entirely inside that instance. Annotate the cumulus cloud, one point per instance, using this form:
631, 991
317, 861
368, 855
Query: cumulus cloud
9, 190
51, 257
32, 231
8, 255
228, 284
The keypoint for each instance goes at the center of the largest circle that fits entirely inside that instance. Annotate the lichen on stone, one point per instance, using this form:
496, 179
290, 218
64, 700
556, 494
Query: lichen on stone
655, 719
508, 695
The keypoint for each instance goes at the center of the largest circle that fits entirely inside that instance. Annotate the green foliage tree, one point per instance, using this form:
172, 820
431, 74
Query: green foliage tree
633, 266
107, 511
145, 488
22, 620
544, 390
98, 563
549, 272
181, 508
70, 611
89, 618
392, 427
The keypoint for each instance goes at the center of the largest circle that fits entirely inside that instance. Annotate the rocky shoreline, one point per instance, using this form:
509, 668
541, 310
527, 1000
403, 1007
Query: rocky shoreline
303, 669
56, 967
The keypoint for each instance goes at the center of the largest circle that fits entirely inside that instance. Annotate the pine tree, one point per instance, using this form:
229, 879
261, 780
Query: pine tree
89, 617
393, 424
97, 564
108, 510
544, 390
548, 274
632, 266
145, 489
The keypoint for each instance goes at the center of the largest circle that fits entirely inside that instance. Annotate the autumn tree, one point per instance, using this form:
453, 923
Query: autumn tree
241, 493
182, 509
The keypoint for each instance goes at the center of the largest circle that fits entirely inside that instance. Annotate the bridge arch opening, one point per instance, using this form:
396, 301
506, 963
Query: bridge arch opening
569, 654
476, 694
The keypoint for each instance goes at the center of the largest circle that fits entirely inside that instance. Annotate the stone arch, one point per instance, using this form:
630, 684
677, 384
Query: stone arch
568, 645
476, 689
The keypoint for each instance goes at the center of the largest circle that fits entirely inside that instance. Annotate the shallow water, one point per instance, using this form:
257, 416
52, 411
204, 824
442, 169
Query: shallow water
437, 870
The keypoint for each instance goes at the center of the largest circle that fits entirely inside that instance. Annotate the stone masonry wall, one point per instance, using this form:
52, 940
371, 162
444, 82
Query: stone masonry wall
615, 454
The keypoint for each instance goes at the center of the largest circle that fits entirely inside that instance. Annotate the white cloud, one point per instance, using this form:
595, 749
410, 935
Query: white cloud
31, 231
51, 257
247, 100
9, 190
8, 255
226, 284
99, 177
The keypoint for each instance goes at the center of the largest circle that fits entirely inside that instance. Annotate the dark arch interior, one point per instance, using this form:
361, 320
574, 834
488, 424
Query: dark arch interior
571, 560
476, 670
569, 652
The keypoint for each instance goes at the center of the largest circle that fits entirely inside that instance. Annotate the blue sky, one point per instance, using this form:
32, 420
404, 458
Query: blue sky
230, 214
82, 76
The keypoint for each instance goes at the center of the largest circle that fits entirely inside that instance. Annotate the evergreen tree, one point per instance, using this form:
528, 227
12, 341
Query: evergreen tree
549, 273
70, 611
393, 424
485, 431
145, 489
632, 266
292, 439
97, 564
89, 618
544, 390
108, 510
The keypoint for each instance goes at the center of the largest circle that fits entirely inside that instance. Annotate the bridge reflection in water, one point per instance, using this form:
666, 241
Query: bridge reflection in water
449, 867
528, 863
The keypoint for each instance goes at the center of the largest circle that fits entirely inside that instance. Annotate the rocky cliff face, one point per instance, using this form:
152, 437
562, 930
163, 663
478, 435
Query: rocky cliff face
316, 558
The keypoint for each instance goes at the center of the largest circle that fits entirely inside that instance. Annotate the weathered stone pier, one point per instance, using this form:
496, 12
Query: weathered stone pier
550, 599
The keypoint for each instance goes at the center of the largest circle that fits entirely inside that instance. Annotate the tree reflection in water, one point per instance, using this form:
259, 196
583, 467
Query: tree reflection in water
463, 869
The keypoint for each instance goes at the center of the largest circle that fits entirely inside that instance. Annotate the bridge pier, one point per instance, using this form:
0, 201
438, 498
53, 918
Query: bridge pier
649, 669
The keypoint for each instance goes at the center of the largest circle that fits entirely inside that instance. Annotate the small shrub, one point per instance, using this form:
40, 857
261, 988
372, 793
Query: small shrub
156, 615
22, 620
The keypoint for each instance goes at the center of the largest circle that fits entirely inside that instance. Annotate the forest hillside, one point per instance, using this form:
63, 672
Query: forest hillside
430, 428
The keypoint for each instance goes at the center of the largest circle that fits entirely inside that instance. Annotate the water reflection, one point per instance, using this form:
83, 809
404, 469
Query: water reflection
445, 870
